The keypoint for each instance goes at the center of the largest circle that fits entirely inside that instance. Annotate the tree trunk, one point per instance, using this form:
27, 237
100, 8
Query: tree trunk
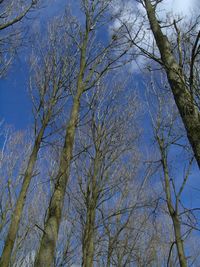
12, 232
110, 249
88, 236
47, 248
188, 111
88, 240
173, 212
45, 255
179, 241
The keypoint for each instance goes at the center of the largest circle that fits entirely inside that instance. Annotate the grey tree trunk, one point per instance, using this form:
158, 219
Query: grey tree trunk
188, 111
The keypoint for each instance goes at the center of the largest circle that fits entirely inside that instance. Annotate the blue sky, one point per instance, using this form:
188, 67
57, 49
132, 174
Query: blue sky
15, 104
14, 100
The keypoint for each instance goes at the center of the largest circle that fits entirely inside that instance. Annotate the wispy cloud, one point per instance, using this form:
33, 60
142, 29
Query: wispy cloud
134, 15
183, 8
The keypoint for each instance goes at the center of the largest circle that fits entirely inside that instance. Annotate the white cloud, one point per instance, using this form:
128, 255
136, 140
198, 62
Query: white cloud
180, 7
166, 11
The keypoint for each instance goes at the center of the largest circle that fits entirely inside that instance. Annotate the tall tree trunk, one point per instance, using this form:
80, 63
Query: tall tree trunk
173, 212
45, 255
88, 239
16, 216
188, 111
179, 241
46, 251
89, 230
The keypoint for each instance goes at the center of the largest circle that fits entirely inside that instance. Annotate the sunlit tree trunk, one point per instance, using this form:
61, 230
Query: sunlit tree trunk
47, 99
94, 63
16, 216
46, 251
48, 243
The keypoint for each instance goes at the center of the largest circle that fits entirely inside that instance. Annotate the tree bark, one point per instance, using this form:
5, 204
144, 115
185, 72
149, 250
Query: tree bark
188, 111
16, 216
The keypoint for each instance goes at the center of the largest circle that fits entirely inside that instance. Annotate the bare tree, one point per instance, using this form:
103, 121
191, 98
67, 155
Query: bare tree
181, 82
11, 164
167, 134
127, 233
48, 93
93, 63
104, 139
9, 9
12, 13
103, 204
114, 210
178, 56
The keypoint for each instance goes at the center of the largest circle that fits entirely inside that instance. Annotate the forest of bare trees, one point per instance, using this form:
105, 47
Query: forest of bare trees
107, 172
